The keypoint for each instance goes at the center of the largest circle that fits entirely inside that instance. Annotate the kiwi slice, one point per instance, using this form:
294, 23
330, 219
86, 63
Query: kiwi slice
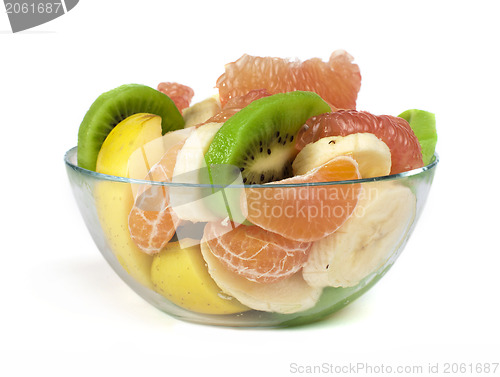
260, 138
112, 107
423, 124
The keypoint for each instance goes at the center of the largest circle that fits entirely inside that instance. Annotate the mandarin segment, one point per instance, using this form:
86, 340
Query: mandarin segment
303, 212
254, 253
152, 222
151, 230
289, 295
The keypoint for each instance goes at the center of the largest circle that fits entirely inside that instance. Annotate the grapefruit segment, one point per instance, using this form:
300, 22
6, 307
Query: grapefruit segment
337, 81
180, 94
235, 104
305, 213
406, 153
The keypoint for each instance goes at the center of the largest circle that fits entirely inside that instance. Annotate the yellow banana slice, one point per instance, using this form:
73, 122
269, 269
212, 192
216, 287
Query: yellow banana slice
188, 202
200, 112
128, 151
180, 275
289, 295
366, 241
372, 154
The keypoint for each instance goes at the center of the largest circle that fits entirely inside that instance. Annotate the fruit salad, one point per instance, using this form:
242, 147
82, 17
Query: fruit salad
260, 198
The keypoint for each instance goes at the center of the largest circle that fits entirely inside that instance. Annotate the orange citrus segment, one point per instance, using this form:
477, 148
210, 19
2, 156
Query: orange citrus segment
337, 81
255, 253
306, 213
152, 222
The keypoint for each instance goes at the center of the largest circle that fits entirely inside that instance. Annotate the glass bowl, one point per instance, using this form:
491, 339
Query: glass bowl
188, 281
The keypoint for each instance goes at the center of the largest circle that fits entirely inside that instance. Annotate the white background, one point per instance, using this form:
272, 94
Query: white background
64, 311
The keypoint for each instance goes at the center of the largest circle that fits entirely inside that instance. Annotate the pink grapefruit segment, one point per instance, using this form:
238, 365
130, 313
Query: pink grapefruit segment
235, 104
180, 94
406, 152
337, 81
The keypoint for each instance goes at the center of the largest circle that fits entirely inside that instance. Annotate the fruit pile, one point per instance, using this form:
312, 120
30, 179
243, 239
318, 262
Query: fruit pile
251, 215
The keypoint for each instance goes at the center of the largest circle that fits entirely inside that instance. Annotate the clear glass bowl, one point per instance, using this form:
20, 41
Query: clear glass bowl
369, 245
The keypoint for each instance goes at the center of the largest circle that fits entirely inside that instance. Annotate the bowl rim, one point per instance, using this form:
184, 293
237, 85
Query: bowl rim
71, 154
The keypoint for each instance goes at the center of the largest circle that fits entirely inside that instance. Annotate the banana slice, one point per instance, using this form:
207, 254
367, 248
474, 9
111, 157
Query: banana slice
174, 137
200, 112
188, 202
367, 240
372, 154
285, 296
180, 274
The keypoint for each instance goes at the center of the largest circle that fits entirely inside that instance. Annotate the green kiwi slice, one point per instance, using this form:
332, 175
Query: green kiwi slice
260, 138
423, 124
112, 107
